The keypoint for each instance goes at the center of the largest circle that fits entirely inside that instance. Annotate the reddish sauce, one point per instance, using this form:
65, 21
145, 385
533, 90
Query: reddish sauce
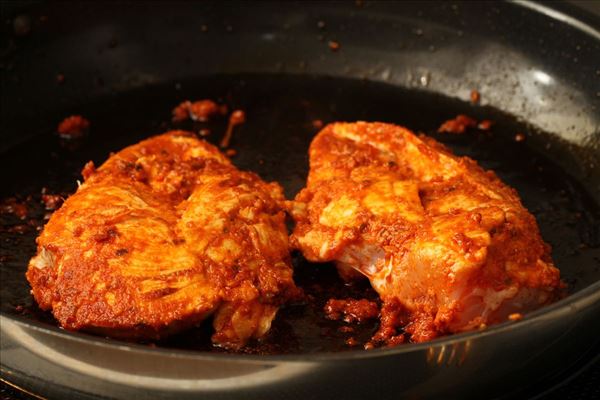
20, 229
457, 125
15, 207
392, 316
351, 310
73, 127
201, 110
52, 201
236, 118
181, 112
475, 97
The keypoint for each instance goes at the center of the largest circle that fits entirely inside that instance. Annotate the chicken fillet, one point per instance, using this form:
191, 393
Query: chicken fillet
164, 234
447, 245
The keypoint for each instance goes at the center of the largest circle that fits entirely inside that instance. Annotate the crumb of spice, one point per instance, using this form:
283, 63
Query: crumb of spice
457, 125
201, 110
351, 310
485, 125
317, 124
73, 127
515, 316
334, 46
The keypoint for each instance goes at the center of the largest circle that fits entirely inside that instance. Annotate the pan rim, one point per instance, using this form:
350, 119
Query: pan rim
583, 299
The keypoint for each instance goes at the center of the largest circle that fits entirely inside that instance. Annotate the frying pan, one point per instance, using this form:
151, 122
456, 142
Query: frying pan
124, 66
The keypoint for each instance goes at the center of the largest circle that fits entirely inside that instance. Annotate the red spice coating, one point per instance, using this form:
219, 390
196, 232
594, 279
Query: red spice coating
164, 234
447, 245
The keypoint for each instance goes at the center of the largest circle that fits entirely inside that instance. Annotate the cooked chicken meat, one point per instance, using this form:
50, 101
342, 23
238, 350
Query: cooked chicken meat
447, 245
164, 234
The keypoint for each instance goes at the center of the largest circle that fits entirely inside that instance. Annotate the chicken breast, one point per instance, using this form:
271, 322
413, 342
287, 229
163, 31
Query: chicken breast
447, 245
164, 234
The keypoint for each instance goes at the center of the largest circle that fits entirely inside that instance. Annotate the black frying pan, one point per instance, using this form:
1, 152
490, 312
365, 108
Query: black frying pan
125, 66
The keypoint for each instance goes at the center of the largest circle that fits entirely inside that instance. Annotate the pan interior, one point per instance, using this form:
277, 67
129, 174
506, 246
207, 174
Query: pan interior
283, 114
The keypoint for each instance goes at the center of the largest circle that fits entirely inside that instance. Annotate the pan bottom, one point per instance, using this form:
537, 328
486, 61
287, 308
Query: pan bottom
283, 113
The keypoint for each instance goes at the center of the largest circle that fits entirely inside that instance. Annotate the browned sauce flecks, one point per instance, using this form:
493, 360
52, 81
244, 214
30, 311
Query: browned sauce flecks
73, 127
236, 118
351, 310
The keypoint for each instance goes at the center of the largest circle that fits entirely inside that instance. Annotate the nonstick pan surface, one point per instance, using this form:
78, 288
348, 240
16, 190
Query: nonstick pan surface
126, 71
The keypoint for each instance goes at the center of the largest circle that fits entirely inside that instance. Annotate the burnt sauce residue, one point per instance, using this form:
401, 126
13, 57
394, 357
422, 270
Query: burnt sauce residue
282, 114
301, 327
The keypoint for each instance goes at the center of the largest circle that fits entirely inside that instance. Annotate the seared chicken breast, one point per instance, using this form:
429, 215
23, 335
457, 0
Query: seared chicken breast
164, 234
447, 245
